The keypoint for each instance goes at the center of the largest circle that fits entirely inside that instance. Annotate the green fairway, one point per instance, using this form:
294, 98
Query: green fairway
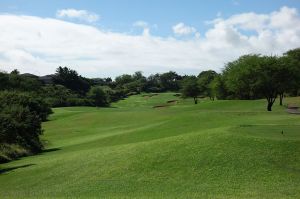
215, 149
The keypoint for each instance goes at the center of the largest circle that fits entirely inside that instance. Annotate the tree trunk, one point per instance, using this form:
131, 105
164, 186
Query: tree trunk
269, 106
195, 100
271, 101
280, 98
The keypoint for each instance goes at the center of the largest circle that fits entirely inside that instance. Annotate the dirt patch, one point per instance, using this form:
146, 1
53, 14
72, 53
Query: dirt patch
293, 109
161, 106
172, 102
293, 106
168, 104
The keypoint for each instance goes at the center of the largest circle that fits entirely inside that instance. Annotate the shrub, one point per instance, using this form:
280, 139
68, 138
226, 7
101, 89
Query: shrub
98, 96
33, 103
21, 115
19, 125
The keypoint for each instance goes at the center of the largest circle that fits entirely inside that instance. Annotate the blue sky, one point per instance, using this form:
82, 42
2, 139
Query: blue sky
111, 37
119, 15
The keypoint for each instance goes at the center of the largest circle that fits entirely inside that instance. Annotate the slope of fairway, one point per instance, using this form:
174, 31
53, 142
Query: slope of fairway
216, 149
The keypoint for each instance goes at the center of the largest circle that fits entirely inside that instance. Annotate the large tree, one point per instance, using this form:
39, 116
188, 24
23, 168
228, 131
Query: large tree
131, 83
190, 88
254, 76
239, 77
71, 80
287, 78
267, 79
292, 57
170, 81
99, 96
205, 79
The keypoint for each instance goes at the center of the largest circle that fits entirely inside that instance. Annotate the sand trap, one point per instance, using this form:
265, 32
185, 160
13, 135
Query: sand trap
172, 101
160, 106
293, 109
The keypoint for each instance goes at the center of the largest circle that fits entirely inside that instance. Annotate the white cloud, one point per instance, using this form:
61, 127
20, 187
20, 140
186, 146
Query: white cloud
182, 29
82, 15
39, 45
142, 24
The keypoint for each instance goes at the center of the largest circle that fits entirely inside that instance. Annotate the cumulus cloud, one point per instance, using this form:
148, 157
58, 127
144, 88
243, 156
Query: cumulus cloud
182, 29
144, 25
39, 45
81, 15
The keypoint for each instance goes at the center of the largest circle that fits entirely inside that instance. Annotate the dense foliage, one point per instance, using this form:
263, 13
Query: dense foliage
250, 77
255, 76
21, 115
191, 88
99, 96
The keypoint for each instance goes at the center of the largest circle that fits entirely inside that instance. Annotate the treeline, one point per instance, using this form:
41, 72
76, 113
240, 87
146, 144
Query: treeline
250, 77
26, 99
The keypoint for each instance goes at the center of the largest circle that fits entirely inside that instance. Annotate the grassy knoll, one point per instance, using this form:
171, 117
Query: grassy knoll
220, 149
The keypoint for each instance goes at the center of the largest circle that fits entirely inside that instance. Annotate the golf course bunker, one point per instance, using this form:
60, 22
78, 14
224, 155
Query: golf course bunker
161, 106
293, 109
172, 102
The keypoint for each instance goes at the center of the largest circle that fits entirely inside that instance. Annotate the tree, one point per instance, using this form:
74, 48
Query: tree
15, 81
4, 81
71, 80
190, 88
239, 77
99, 96
170, 81
267, 76
287, 77
254, 76
21, 115
57, 95
205, 79
131, 84
123, 79
153, 83
293, 59
15, 72
31, 101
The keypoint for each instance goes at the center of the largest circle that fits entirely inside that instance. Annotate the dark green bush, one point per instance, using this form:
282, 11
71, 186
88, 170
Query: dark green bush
21, 115
98, 96
33, 103
19, 125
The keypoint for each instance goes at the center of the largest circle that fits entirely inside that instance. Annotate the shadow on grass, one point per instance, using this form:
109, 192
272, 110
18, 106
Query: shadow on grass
50, 150
2, 171
47, 151
108, 107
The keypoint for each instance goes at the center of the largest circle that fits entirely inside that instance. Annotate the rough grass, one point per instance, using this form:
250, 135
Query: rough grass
9, 152
216, 149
